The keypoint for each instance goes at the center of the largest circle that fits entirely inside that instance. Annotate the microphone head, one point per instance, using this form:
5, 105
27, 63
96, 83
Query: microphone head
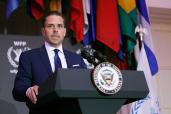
100, 56
86, 54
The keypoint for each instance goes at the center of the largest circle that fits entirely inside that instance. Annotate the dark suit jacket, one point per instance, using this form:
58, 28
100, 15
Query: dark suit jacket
34, 69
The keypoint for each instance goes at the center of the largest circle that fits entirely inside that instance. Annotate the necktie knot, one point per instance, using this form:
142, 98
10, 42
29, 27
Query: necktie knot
56, 51
57, 60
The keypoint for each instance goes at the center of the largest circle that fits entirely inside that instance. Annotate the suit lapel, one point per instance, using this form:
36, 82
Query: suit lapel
45, 59
68, 58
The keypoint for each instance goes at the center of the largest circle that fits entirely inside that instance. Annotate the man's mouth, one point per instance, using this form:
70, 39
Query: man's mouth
55, 36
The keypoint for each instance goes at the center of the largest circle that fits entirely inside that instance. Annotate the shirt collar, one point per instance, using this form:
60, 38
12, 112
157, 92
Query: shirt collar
51, 48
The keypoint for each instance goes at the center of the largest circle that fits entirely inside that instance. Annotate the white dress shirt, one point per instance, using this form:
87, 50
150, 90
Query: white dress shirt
51, 54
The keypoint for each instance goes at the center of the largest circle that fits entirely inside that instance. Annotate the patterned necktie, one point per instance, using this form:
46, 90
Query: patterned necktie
57, 60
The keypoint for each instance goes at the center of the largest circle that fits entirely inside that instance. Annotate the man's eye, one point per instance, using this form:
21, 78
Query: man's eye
60, 26
51, 26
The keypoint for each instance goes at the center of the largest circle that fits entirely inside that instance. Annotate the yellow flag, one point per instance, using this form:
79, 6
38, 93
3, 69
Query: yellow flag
127, 5
55, 5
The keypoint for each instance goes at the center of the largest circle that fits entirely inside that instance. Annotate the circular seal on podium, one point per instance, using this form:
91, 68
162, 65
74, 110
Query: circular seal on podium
107, 78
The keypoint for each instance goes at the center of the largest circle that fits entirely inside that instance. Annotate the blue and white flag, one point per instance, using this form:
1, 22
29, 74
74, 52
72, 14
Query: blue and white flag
145, 22
146, 62
11, 5
89, 21
150, 104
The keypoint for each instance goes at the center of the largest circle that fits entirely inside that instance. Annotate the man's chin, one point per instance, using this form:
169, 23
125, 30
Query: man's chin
55, 44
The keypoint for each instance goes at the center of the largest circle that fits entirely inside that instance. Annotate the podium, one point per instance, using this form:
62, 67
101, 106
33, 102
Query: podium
76, 83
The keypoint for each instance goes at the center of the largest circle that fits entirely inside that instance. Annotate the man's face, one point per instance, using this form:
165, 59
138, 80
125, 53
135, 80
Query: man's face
54, 30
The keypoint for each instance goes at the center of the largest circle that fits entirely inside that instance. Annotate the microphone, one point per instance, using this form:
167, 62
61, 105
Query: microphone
89, 57
100, 56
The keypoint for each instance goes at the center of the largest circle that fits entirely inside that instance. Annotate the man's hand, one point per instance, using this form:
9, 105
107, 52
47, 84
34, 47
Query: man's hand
32, 92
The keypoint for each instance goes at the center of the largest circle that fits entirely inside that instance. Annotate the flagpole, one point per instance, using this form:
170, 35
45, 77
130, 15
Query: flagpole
6, 23
5, 30
141, 31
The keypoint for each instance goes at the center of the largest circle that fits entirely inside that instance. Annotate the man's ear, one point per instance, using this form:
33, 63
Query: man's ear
65, 32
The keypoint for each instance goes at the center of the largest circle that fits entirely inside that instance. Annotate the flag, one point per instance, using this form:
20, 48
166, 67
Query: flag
150, 104
86, 13
11, 5
145, 22
146, 62
55, 5
89, 21
107, 25
76, 19
121, 59
128, 22
36, 8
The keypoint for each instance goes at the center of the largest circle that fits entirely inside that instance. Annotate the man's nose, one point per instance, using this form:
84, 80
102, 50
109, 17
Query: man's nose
55, 29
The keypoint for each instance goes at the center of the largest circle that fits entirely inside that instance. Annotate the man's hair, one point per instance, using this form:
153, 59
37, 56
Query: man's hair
52, 13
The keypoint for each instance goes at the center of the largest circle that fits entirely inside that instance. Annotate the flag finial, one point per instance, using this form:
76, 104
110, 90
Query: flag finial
140, 30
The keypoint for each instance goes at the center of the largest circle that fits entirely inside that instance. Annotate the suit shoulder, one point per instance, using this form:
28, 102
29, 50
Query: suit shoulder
31, 52
71, 53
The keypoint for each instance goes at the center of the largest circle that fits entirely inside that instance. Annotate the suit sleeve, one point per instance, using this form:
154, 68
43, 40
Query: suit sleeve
23, 78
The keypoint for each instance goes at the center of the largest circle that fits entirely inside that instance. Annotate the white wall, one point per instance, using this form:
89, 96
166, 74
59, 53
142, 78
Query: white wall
162, 43
160, 13
159, 3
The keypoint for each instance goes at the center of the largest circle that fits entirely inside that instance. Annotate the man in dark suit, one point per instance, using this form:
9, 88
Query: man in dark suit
35, 67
